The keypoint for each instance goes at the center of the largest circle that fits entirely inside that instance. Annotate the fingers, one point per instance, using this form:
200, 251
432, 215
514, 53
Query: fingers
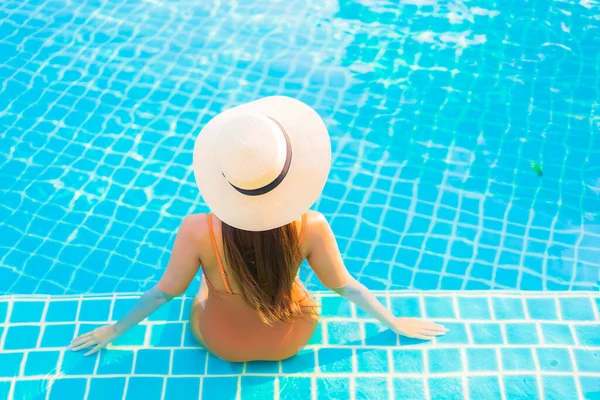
434, 331
431, 327
81, 339
95, 349
84, 345
422, 336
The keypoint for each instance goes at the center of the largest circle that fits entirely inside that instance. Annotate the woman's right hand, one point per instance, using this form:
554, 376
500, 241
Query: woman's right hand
418, 328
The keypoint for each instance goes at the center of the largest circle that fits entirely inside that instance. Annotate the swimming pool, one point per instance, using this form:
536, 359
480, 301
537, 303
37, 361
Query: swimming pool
436, 110
435, 113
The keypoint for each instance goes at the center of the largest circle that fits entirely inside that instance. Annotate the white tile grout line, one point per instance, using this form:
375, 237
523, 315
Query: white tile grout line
501, 369
426, 375
575, 369
456, 374
464, 379
391, 293
421, 296
536, 362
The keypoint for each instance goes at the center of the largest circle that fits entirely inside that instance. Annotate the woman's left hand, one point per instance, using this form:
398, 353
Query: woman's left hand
99, 338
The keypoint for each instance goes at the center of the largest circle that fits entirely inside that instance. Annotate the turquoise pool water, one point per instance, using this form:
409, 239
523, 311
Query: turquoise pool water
436, 111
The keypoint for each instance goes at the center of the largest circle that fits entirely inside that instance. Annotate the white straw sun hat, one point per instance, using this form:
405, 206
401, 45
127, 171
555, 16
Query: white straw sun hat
262, 164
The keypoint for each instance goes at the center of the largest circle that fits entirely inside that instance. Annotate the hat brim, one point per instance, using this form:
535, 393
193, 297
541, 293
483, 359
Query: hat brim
302, 186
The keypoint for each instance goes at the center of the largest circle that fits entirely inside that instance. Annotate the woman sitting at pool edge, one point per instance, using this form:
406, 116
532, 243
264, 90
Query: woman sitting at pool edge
259, 167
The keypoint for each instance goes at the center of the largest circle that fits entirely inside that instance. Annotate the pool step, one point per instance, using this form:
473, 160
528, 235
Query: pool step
500, 345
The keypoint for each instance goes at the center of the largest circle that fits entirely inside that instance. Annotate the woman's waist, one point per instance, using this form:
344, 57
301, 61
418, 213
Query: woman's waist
235, 307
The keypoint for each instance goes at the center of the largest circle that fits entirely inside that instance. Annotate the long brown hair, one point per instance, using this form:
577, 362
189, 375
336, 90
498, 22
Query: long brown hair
265, 264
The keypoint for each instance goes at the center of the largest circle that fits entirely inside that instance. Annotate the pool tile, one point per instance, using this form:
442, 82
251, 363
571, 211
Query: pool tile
94, 311
182, 388
30, 389
304, 361
473, 308
556, 333
27, 311
590, 386
333, 388
189, 362
62, 311
21, 337
3, 310
557, 387
576, 309
217, 366
542, 308
144, 388
166, 334
517, 359
41, 362
75, 363
377, 334
457, 334
133, 337
115, 362
225, 388
587, 360
335, 360
258, 387
5, 387
152, 361
10, 364
371, 388
295, 388
262, 367
444, 360
588, 334
481, 359
317, 337
439, 307
58, 335
408, 361
486, 333
335, 307
106, 388
122, 307
554, 359
344, 333
521, 387
405, 360
408, 306
372, 361
483, 388
68, 388
508, 308
445, 389
521, 333
409, 388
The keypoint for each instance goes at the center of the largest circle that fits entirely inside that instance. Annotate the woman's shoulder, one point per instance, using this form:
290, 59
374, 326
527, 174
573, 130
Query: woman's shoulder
195, 225
315, 219
316, 225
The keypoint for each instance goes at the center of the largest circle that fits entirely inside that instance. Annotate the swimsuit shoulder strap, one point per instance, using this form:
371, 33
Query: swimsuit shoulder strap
302, 225
216, 249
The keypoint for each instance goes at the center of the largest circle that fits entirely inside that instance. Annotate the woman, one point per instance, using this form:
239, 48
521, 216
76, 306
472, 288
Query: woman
259, 167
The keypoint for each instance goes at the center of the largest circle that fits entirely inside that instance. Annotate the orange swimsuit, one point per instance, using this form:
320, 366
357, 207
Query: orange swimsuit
232, 330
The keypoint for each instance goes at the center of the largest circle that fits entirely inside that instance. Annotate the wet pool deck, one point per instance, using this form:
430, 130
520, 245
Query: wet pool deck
501, 345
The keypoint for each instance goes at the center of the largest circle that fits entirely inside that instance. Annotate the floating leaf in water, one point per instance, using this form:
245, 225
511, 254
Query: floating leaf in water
537, 168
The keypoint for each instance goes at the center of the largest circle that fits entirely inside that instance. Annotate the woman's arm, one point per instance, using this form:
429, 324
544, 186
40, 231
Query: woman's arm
325, 259
183, 266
